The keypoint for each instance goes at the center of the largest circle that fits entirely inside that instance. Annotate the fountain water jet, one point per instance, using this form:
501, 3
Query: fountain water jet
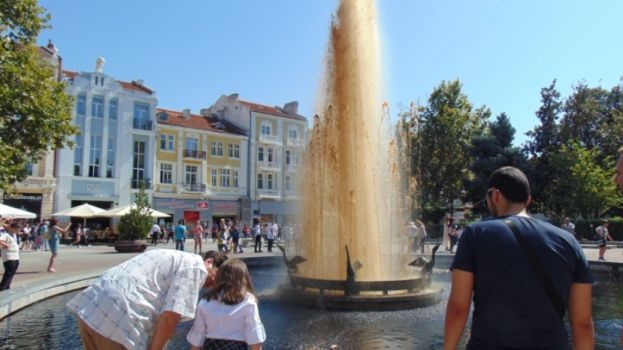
352, 195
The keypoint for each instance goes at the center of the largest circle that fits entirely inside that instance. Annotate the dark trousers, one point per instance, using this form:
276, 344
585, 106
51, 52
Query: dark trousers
453, 241
10, 267
270, 244
258, 243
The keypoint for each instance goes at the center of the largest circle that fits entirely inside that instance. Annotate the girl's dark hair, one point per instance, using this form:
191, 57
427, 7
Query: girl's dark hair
233, 282
53, 222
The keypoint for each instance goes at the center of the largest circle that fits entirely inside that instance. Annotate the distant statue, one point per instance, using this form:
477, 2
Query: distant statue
99, 65
291, 264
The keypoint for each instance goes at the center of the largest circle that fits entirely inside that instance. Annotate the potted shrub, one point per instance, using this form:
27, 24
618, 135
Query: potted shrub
134, 226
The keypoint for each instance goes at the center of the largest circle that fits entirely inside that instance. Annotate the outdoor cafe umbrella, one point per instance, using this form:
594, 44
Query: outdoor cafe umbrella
83, 211
9, 212
121, 211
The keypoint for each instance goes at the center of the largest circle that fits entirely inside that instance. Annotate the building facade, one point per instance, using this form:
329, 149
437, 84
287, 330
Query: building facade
201, 167
113, 155
277, 140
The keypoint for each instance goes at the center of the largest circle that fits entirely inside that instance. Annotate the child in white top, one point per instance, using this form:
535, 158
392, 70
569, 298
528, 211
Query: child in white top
229, 317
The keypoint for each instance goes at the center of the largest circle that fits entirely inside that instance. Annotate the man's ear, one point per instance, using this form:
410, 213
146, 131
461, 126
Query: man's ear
528, 201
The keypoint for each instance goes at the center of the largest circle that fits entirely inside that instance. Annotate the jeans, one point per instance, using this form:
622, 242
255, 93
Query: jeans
270, 244
10, 267
258, 243
179, 244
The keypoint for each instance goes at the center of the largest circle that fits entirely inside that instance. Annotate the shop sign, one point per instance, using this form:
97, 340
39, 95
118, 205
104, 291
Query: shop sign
202, 205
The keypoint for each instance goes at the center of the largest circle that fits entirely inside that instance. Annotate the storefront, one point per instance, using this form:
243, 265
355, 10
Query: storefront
31, 202
193, 210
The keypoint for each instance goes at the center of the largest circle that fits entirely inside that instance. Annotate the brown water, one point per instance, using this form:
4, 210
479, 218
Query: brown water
351, 185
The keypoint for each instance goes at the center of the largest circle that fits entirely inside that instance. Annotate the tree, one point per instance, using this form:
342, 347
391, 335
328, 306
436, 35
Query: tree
137, 222
488, 152
446, 126
586, 112
35, 112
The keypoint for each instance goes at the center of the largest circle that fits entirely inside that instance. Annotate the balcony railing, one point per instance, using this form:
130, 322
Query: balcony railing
268, 193
189, 153
269, 165
136, 183
142, 124
269, 138
295, 142
194, 187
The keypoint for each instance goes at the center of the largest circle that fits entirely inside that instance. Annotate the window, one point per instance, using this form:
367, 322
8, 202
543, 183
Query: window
191, 144
270, 155
163, 142
94, 156
288, 153
288, 182
112, 109
138, 163
225, 181
110, 161
235, 178
260, 181
191, 174
29, 168
233, 151
216, 149
97, 107
166, 173
78, 156
269, 181
171, 142
141, 116
167, 142
214, 179
265, 129
260, 154
81, 105
293, 133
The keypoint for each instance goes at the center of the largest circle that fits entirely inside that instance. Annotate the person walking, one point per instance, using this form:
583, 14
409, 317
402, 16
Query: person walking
229, 317
420, 236
10, 256
77, 232
523, 275
197, 233
257, 236
180, 235
568, 226
138, 304
54, 235
44, 236
603, 236
235, 238
270, 236
156, 231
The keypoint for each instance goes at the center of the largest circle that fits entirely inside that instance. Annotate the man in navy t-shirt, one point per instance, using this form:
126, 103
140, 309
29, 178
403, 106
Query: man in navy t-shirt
511, 307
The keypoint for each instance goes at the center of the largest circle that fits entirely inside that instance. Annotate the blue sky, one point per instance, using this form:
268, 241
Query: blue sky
271, 51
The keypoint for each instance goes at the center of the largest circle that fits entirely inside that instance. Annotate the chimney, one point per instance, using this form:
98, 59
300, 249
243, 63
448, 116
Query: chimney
205, 112
186, 113
233, 97
291, 107
52, 48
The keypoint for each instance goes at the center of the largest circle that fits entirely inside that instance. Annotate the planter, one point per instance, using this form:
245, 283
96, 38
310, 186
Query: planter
133, 246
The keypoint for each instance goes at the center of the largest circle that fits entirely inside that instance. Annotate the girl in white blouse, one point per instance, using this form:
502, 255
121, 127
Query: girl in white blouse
229, 317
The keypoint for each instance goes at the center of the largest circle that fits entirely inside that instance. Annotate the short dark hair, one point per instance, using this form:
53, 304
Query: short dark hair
218, 258
512, 182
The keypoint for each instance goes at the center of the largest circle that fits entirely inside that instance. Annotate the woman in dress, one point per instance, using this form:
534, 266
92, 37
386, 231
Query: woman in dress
229, 316
54, 235
197, 233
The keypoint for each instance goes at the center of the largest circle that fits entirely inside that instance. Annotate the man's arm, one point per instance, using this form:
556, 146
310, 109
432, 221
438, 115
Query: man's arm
163, 330
458, 307
580, 316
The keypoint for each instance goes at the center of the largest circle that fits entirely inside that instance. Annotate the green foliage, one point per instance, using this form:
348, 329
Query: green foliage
136, 223
586, 228
35, 111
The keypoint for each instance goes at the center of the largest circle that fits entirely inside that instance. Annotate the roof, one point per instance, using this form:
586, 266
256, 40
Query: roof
256, 107
211, 123
133, 85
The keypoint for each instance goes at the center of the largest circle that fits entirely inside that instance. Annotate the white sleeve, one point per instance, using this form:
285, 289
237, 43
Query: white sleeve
254, 329
196, 336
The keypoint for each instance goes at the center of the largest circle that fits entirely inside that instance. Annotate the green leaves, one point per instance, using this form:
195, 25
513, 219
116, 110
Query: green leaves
136, 223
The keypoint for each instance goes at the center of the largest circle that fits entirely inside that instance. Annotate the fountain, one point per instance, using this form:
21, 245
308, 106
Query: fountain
354, 212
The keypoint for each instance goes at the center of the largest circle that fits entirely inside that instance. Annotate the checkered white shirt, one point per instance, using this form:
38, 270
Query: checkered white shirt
127, 299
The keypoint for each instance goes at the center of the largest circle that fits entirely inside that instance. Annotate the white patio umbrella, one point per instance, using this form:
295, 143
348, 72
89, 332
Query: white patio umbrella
9, 212
83, 211
121, 211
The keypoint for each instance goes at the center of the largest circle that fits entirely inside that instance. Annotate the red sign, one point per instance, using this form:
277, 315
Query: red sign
202, 205
191, 216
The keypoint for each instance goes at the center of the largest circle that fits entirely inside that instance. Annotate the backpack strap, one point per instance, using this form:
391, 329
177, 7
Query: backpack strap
537, 267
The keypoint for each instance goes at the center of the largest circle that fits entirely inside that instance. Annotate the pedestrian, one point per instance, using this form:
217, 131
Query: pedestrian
522, 273
568, 226
257, 236
169, 234
180, 235
54, 235
602, 237
10, 256
453, 233
197, 233
77, 232
412, 245
229, 317
270, 236
235, 238
44, 236
155, 234
138, 304
215, 230
421, 234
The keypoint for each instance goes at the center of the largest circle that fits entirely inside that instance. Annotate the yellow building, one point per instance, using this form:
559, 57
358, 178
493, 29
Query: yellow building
201, 166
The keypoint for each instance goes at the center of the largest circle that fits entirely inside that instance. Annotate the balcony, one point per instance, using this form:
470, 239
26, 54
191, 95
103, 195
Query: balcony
295, 142
269, 139
274, 166
142, 124
136, 183
189, 153
194, 187
268, 193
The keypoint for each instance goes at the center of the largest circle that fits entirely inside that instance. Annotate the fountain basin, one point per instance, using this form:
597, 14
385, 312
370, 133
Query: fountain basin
390, 295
